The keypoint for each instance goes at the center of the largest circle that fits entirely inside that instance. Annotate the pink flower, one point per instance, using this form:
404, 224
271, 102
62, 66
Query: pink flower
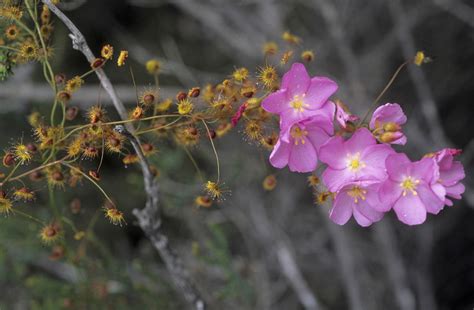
299, 96
386, 123
356, 199
299, 150
451, 172
408, 188
343, 116
359, 158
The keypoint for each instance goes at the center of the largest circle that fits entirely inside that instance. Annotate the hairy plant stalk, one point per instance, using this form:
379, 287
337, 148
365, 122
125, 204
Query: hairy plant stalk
148, 218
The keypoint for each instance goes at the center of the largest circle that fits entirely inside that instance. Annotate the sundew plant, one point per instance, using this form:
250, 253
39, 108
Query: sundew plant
355, 165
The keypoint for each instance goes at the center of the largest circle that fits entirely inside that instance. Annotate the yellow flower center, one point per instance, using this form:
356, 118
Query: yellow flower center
298, 135
409, 185
298, 103
354, 163
357, 193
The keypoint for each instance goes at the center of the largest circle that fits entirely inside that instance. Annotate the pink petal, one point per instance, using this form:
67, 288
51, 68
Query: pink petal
453, 175
292, 116
368, 211
336, 179
333, 153
323, 118
373, 200
410, 210
296, 80
397, 165
455, 191
317, 136
319, 91
401, 141
280, 154
276, 102
341, 211
432, 202
361, 139
425, 169
389, 192
439, 190
374, 158
303, 158
361, 219
343, 117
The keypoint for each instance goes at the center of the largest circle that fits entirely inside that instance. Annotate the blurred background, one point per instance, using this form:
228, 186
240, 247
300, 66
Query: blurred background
257, 249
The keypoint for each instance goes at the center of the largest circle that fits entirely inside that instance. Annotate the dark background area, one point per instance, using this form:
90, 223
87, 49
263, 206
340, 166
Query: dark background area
235, 251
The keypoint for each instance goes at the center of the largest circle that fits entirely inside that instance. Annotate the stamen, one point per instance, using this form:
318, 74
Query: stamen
357, 193
298, 134
298, 103
354, 163
409, 184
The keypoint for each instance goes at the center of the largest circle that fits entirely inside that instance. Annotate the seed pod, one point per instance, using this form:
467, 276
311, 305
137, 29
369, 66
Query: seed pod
97, 63
181, 96
194, 92
8, 159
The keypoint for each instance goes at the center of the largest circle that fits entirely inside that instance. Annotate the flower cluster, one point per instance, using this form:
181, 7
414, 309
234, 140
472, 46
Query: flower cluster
364, 174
